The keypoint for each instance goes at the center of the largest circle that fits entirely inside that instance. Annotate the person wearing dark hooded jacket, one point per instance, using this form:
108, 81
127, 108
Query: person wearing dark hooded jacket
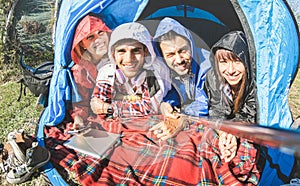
231, 91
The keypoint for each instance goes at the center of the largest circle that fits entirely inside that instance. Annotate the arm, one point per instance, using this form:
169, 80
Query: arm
101, 98
216, 108
80, 109
103, 90
84, 86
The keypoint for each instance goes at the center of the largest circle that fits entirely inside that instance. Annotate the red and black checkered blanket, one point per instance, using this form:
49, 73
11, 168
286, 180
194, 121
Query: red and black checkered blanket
192, 157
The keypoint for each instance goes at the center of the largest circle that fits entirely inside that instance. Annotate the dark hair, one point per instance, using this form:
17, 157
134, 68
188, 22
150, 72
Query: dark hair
237, 98
169, 36
125, 41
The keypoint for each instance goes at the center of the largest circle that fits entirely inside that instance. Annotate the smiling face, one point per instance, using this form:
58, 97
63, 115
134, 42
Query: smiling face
230, 67
96, 44
177, 54
130, 57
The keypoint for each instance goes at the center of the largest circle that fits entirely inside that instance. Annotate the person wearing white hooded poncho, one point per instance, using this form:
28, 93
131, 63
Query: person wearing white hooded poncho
135, 81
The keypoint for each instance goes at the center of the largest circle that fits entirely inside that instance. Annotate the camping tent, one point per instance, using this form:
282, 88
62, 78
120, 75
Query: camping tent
270, 27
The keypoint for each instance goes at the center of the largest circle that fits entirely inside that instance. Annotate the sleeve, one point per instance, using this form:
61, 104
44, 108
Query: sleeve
172, 98
103, 91
105, 83
81, 108
248, 111
215, 104
199, 107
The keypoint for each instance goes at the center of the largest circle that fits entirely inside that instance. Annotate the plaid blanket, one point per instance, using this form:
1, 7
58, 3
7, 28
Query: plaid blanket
139, 158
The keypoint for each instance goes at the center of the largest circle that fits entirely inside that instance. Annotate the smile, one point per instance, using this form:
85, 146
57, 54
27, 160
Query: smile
100, 45
129, 66
181, 66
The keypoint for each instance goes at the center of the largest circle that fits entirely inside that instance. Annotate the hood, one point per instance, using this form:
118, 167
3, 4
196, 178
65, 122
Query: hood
137, 32
221, 103
141, 34
86, 26
235, 42
168, 24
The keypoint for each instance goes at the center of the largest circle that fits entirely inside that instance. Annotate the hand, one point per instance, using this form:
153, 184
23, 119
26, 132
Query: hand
227, 145
167, 110
100, 107
169, 128
78, 123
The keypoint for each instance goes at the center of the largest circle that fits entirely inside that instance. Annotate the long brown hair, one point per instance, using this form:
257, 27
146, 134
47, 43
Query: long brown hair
238, 95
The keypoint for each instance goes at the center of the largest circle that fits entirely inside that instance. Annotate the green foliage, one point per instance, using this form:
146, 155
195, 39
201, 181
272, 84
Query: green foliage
29, 29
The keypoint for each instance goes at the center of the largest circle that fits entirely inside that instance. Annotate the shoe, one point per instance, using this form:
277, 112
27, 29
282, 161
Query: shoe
36, 157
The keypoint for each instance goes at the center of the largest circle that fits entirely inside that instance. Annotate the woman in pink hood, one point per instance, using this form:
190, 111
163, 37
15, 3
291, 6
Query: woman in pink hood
89, 53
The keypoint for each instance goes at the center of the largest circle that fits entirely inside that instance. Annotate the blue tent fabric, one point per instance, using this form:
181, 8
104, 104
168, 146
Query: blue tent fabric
277, 57
277, 60
178, 11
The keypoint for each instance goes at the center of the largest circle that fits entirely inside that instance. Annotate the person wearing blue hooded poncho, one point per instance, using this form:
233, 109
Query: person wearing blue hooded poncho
188, 65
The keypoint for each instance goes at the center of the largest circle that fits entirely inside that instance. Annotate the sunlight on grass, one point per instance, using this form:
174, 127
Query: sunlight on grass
14, 114
294, 96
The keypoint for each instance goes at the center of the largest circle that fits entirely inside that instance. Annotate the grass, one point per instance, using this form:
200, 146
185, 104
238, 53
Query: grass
294, 96
24, 114
16, 115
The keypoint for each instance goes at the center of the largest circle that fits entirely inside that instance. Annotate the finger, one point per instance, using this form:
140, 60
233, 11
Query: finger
165, 132
171, 115
177, 109
75, 126
227, 152
157, 126
105, 108
231, 145
230, 137
93, 107
168, 133
166, 137
229, 158
222, 141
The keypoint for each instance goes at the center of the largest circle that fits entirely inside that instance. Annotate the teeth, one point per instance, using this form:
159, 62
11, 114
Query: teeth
100, 44
129, 65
